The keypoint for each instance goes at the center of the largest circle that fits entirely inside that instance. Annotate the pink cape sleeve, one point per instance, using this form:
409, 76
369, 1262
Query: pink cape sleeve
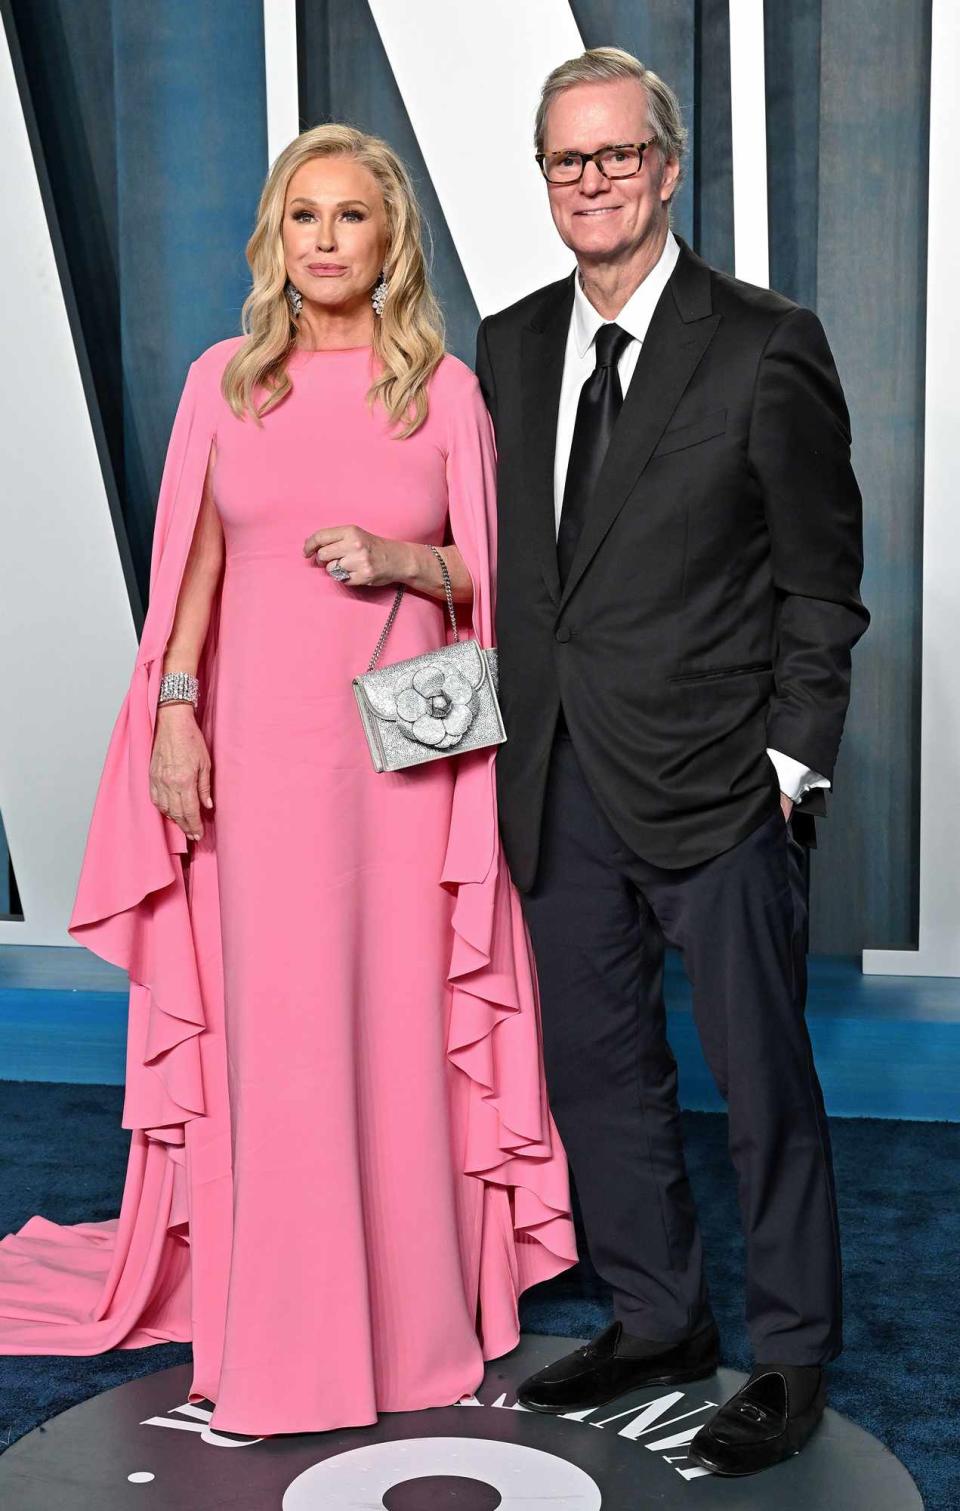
510, 1143
125, 1282
131, 905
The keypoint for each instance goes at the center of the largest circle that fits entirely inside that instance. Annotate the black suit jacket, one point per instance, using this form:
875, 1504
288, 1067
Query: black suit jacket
714, 597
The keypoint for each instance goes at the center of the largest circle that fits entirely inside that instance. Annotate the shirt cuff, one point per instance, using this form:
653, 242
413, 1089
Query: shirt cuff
795, 778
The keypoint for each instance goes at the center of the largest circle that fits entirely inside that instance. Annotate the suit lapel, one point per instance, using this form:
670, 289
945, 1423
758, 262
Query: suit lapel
542, 353
679, 333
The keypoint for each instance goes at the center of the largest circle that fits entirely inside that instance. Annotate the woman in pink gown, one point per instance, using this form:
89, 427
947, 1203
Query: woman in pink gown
343, 1170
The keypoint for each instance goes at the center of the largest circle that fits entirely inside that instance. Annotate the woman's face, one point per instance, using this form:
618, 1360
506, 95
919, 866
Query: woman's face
334, 231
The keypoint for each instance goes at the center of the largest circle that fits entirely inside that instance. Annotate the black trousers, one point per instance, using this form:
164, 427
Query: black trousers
599, 917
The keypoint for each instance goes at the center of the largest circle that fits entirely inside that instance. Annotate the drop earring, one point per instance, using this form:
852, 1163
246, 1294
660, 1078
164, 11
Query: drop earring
379, 296
294, 298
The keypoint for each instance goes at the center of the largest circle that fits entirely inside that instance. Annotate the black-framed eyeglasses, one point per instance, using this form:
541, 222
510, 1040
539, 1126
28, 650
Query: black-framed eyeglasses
620, 161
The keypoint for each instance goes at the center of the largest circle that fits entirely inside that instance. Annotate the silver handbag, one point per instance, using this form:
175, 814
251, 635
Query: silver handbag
439, 704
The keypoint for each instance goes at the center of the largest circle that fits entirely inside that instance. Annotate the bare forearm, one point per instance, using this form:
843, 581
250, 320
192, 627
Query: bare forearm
190, 626
197, 591
420, 571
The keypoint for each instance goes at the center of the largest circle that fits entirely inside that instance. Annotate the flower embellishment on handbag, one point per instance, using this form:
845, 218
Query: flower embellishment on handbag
438, 707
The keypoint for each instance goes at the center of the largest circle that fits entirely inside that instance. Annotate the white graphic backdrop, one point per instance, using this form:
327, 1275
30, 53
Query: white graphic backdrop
67, 639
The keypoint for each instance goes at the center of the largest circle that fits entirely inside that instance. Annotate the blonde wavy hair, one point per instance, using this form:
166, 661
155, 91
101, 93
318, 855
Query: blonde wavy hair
408, 337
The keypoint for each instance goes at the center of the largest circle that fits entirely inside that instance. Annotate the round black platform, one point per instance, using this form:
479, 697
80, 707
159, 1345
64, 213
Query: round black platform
140, 1448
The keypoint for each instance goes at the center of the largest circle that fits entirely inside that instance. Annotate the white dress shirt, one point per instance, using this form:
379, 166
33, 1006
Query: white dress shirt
579, 362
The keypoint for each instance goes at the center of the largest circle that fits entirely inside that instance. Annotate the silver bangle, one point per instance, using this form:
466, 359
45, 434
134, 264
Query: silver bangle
178, 687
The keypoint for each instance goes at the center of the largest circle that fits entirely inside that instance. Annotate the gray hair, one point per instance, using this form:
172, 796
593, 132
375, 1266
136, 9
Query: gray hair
601, 65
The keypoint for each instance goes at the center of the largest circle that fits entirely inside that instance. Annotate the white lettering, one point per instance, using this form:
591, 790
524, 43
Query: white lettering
166, 1422
678, 1440
687, 1474
647, 1416
200, 1413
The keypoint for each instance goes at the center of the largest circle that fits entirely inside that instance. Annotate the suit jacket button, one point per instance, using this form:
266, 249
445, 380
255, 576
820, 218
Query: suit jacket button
563, 634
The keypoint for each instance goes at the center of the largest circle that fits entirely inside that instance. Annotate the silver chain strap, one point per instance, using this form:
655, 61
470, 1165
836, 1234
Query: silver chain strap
396, 604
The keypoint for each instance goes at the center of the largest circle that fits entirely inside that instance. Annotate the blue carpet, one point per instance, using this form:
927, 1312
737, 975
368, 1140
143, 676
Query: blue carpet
899, 1376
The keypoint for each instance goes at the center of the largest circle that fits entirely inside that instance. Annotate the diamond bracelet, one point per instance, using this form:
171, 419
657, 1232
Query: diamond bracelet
178, 687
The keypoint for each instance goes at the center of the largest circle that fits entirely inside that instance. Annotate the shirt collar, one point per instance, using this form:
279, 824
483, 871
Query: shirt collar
636, 314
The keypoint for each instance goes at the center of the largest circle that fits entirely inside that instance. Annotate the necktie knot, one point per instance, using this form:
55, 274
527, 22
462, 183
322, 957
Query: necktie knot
610, 341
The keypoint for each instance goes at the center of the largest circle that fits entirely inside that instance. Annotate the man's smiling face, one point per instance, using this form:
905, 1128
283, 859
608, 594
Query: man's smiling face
601, 219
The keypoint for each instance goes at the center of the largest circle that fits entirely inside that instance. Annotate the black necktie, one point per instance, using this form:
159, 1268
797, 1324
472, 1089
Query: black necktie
601, 399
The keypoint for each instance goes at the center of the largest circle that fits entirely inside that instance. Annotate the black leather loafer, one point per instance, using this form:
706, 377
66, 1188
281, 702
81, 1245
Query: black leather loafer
600, 1371
756, 1428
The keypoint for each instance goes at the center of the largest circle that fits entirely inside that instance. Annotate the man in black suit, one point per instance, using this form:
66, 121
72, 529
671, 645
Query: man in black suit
678, 595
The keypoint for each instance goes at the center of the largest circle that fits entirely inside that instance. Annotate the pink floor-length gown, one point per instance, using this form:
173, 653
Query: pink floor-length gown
343, 1170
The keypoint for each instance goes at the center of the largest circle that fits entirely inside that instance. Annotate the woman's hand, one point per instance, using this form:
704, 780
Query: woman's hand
371, 561
374, 562
180, 768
